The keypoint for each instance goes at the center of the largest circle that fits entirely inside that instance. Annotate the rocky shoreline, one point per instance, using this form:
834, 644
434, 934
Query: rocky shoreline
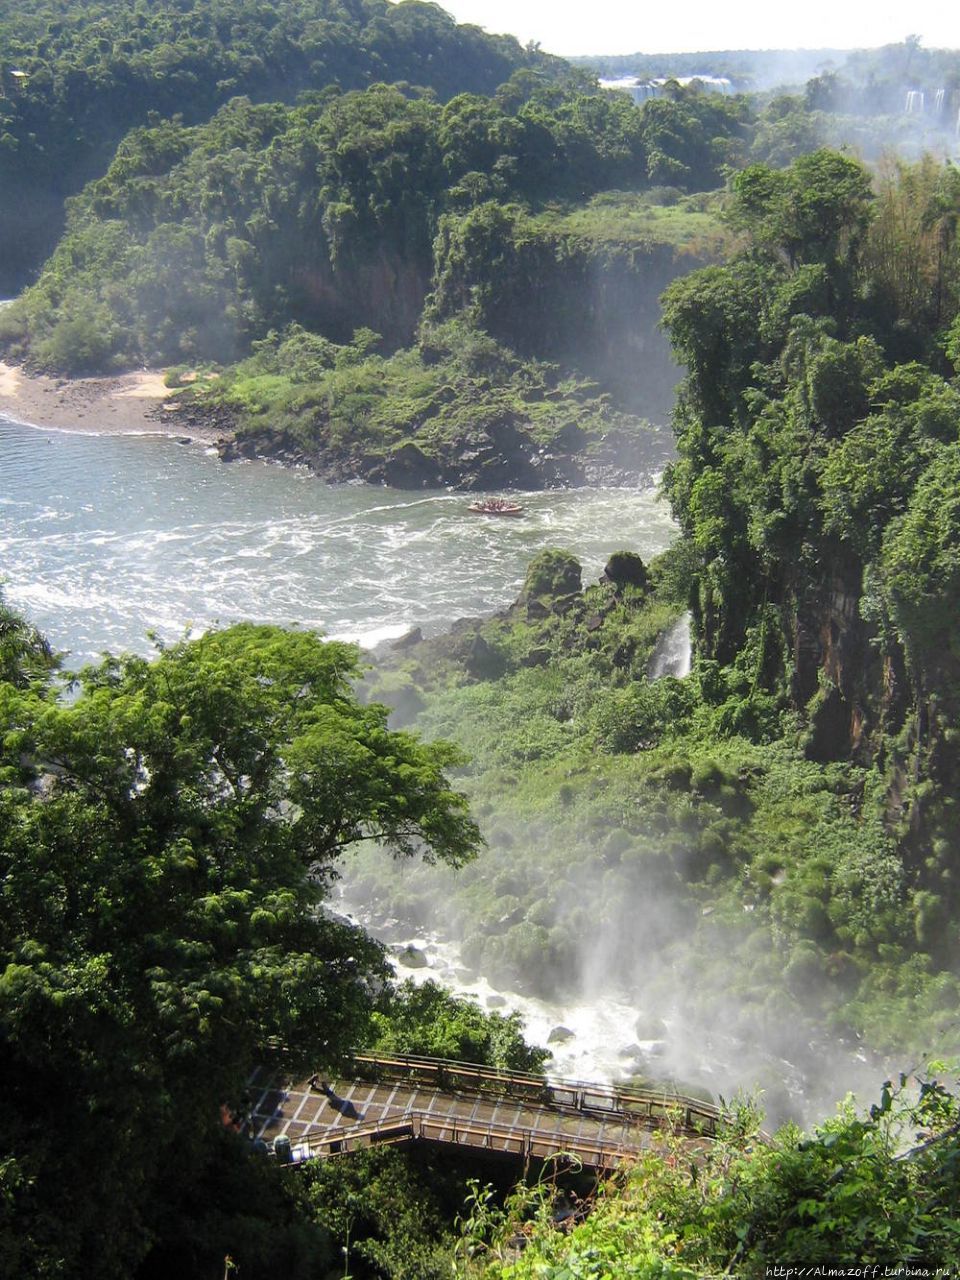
496, 458
507, 459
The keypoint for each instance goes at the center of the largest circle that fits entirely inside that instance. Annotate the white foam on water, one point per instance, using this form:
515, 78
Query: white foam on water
378, 635
126, 534
603, 1046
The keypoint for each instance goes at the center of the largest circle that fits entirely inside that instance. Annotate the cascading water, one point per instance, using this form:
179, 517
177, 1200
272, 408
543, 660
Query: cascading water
614, 1034
639, 91
642, 91
940, 101
672, 655
915, 103
103, 536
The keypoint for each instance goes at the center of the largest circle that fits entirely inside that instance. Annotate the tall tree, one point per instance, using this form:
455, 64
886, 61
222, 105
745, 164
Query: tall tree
166, 841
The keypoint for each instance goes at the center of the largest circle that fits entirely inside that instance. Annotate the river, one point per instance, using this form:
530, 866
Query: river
105, 537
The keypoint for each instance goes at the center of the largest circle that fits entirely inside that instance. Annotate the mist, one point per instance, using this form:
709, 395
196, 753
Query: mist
603, 939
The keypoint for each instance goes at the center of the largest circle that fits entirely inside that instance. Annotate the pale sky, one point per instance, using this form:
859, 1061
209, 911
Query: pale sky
618, 26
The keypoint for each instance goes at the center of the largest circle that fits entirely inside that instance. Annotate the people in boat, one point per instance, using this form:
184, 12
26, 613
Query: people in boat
495, 505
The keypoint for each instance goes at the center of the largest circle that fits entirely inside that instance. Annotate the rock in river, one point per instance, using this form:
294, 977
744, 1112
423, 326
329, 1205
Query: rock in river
560, 1035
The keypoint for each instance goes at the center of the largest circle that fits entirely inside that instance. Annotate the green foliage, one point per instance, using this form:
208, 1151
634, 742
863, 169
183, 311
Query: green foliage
599, 792
639, 220
799, 436
636, 717
424, 1019
409, 418
626, 569
816, 488
26, 658
390, 1213
165, 841
911, 251
921, 564
551, 573
845, 1196
199, 238
95, 70
815, 211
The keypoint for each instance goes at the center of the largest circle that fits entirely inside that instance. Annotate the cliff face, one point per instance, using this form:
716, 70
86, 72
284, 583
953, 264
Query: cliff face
852, 690
383, 291
597, 309
587, 304
866, 700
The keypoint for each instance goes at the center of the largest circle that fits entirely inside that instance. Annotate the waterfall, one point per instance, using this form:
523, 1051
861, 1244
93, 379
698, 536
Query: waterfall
642, 90
671, 657
940, 102
708, 84
639, 90
915, 102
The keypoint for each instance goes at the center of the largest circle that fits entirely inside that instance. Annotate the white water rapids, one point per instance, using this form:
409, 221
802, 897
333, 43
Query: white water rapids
104, 538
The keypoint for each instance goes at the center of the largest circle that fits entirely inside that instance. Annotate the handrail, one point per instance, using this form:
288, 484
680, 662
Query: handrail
421, 1125
577, 1095
448, 1070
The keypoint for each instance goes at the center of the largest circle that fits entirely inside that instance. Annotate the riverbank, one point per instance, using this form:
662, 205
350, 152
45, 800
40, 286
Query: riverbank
135, 403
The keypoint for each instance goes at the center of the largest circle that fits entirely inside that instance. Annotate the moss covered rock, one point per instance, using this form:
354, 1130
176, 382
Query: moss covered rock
552, 574
626, 569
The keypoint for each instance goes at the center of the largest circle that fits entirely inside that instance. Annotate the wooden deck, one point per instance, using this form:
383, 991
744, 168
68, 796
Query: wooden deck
403, 1100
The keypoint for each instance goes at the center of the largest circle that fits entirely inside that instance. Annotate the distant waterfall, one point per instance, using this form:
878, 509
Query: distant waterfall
672, 655
640, 93
642, 90
916, 101
940, 101
639, 90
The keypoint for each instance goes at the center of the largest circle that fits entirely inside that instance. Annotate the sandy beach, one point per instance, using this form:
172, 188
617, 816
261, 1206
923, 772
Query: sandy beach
130, 404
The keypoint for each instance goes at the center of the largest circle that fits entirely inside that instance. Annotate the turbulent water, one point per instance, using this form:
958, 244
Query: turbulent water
104, 538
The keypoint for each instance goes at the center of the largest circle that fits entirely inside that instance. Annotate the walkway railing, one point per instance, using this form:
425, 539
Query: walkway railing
421, 1126
655, 1107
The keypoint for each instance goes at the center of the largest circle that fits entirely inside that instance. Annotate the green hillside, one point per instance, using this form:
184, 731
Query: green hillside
76, 78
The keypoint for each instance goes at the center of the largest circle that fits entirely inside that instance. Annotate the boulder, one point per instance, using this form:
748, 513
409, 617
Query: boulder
561, 1035
626, 569
484, 662
389, 929
537, 657
552, 574
537, 610
649, 1027
571, 603
408, 639
408, 467
412, 957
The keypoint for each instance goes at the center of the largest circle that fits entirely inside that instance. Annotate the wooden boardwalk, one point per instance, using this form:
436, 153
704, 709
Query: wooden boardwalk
406, 1099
